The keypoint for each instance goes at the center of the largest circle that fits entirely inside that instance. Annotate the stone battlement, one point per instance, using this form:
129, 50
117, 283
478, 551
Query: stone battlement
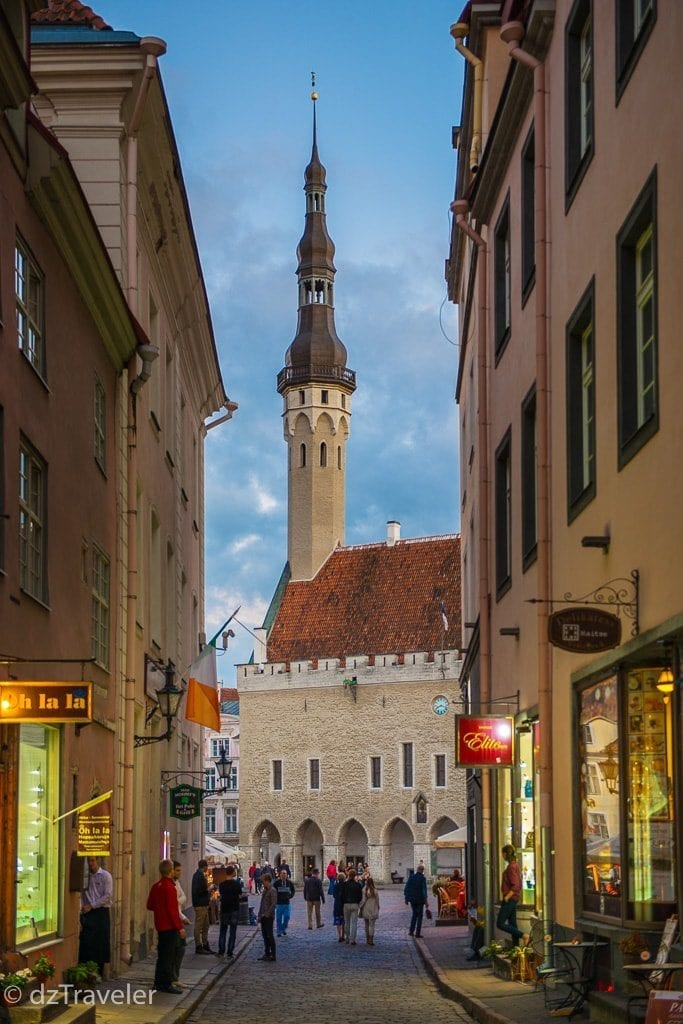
415, 666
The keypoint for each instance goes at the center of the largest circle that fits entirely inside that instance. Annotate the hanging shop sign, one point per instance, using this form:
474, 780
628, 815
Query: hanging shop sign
584, 630
484, 741
186, 802
45, 702
94, 831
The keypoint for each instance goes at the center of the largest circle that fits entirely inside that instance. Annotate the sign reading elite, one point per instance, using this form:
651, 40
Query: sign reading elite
186, 802
586, 630
45, 702
484, 742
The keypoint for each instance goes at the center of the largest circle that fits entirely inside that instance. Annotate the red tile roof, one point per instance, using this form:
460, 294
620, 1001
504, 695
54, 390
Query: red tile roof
69, 12
373, 599
228, 693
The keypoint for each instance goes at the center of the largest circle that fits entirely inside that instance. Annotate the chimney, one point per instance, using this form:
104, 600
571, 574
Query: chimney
393, 532
260, 636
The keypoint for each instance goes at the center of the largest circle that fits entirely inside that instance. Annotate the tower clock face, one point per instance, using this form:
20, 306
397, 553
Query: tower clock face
440, 705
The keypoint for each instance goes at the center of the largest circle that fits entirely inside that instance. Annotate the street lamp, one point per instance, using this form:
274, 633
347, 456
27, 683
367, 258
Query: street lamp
168, 703
610, 772
223, 769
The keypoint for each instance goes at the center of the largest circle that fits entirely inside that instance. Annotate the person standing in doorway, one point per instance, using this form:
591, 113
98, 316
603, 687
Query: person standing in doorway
511, 890
314, 896
181, 945
163, 902
266, 916
415, 894
331, 873
284, 888
369, 910
201, 898
96, 899
230, 891
352, 893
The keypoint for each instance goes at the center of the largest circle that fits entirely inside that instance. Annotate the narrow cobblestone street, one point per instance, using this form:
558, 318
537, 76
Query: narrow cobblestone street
321, 981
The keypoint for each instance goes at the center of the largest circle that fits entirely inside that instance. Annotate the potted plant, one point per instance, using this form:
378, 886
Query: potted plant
43, 968
634, 948
12, 985
82, 976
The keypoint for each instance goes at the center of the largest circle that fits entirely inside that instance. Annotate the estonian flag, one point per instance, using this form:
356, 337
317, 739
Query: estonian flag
202, 705
442, 609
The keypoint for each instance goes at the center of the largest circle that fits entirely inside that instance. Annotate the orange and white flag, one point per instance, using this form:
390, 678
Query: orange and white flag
202, 705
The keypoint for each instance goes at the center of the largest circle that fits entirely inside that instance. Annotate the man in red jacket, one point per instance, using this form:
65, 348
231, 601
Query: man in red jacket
163, 902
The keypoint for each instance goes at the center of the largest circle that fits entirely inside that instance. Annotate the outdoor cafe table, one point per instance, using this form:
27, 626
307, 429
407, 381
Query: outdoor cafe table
578, 976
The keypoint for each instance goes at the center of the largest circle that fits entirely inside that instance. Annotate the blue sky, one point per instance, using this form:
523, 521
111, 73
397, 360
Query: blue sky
237, 77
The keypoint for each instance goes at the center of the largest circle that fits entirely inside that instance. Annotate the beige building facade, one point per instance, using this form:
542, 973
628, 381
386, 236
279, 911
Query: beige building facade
562, 264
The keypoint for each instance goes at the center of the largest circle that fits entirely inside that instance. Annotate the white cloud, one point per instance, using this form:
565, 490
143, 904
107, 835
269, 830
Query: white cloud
242, 543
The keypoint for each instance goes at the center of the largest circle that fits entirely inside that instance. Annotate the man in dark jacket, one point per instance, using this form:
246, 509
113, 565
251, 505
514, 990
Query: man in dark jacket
351, 895
415, 893
163, 902
230, 891
201, 897
284, 888
314, 896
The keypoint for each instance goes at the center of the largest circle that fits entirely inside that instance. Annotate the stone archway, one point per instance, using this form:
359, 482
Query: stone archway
353, 843
444, 861
398, 842
265, 843
308, 849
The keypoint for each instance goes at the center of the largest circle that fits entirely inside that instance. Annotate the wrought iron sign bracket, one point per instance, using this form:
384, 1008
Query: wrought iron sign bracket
620, 594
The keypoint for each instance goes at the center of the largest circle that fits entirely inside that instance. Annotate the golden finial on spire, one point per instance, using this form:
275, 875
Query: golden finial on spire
314, 94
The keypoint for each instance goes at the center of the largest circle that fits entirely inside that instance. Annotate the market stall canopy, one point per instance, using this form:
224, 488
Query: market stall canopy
214, 848
454, 840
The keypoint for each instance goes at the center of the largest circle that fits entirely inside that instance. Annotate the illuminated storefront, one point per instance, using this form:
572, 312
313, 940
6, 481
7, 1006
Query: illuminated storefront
517, 807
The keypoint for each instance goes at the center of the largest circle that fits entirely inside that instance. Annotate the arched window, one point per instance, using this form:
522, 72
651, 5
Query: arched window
302, 455
339, 457
323, 454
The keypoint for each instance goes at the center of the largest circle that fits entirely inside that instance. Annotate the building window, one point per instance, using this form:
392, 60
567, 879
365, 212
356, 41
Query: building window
325, 397
100, 424
635, 20
637, 325
501, 283
302, 456
38, 867
210, 778
302, 396
528, 216
2, 488
581, 405
579, 143
209, 819
30, 302
231, 781
323, 454
231, 819
528, 475
277, 775
314, 773
503, 516
626, 788
375, 773
343, 400
439, 771
407, 765
339, 457
220, 744
100, 607
32, 522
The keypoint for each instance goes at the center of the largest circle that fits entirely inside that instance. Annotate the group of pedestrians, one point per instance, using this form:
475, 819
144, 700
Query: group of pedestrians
355, 895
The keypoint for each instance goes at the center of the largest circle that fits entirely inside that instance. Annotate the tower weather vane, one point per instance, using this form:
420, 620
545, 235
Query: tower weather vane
314, 94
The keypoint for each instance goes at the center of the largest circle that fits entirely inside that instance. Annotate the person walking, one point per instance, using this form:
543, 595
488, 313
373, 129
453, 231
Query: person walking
415, 894
285, 890
252, 869
369, 910
338, 906
511, 890
201, 898
181, 945
314, 896
257, 879
230, 891
163, 902
331, 874
352, 893
96, 899
266, 916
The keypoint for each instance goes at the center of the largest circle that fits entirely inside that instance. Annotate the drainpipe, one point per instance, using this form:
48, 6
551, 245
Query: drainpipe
459, 30
153, 48
459, 209
512, 33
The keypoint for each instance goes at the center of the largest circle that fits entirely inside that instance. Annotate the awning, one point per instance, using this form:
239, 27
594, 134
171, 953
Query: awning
215, 848
456, 839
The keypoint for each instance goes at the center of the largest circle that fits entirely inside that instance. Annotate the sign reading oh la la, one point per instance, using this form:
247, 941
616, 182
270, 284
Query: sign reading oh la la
45, 702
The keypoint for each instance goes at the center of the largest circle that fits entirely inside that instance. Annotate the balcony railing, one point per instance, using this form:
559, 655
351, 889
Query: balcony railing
293, 375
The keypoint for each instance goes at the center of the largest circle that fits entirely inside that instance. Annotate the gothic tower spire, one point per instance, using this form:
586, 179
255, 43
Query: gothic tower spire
316, 387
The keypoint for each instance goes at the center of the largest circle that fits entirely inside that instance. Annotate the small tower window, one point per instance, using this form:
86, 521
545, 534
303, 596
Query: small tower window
302, 396
302, 455
319, 290
343, 401
339, 457
323, 454
325, 397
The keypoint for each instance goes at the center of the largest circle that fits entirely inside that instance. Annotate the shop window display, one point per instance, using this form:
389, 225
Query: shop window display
517, 825
626, 798
37, 838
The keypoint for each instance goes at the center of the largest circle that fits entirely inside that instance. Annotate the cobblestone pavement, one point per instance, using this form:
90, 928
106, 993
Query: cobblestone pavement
318, 980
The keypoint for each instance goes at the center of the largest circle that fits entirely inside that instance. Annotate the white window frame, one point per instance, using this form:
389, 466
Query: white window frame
100, 591
230, 811
210, 820
587, 425
29, 290
586, 87
644, 298
373, 788
210, 778
32, 522
100, 424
